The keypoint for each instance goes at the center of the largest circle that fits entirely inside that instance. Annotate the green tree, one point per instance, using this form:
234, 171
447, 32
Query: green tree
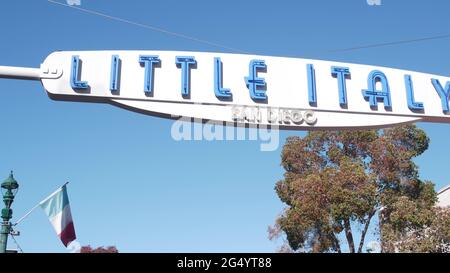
338, 181
413, 228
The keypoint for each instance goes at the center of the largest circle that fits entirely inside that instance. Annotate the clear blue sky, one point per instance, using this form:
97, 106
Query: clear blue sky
132, 185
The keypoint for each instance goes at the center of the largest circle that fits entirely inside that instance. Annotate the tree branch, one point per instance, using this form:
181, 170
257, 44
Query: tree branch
349, 235
363, 234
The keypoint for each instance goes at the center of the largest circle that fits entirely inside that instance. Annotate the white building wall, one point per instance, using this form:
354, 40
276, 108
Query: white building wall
444, 197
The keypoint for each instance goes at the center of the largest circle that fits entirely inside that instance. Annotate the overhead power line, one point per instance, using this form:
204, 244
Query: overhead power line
146, 26
210, 43
392, 43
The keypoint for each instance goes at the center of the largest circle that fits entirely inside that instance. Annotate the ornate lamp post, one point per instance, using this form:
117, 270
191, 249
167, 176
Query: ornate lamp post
9, 189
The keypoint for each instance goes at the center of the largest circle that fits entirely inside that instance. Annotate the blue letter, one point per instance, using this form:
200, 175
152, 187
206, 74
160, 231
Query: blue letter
221, 93
372, 94
412, 104
185, 63
149, 61
312, 95
254, 84
75, 75
114, 79
341, 73
443, 94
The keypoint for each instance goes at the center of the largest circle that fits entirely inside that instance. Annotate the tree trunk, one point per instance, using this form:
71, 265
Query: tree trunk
363, 234
337, 245
381, 220
349, 235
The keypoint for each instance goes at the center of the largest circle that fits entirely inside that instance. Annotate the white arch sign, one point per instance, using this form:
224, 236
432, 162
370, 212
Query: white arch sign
289, 93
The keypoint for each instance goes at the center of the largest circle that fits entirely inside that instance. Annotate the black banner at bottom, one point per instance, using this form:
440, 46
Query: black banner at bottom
226, 262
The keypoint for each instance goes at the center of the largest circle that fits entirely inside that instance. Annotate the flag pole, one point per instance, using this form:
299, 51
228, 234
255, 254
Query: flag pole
26, 215
35, 207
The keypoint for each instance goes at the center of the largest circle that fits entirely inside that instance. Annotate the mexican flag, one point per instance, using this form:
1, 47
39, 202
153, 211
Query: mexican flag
57, 208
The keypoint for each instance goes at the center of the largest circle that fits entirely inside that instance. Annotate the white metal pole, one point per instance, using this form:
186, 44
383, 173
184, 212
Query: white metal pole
23, 73
25, 216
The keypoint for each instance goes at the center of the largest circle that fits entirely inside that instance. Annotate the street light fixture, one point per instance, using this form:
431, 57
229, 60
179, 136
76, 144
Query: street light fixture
9, 189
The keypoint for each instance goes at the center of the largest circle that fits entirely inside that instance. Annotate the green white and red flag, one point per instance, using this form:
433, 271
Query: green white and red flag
57, 208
